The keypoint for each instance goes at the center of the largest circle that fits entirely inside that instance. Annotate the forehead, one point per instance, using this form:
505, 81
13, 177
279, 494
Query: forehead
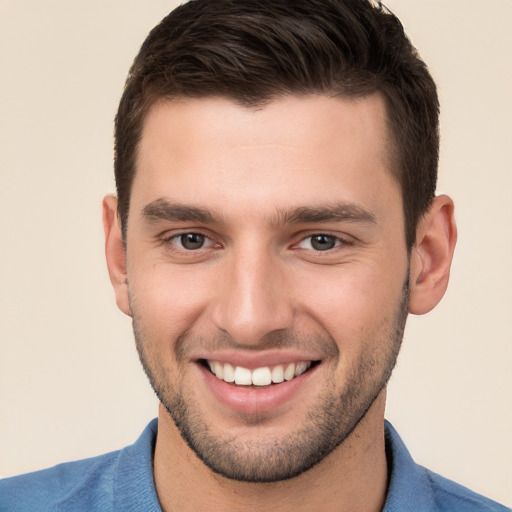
294, 149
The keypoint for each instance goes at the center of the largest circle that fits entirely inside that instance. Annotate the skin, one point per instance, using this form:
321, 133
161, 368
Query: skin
258, 290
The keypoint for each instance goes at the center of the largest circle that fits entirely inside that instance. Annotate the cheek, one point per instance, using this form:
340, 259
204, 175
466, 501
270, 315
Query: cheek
168, 300
355, 306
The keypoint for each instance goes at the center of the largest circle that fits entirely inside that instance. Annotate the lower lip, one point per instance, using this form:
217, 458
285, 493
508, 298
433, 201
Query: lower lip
252, 400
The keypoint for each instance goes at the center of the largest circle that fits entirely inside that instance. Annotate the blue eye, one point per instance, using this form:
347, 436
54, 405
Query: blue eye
320, 242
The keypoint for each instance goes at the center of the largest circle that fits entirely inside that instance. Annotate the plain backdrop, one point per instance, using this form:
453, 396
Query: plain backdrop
70, 382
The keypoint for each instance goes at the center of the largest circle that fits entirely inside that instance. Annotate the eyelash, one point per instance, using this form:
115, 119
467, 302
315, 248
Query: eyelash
338, 241
170, 242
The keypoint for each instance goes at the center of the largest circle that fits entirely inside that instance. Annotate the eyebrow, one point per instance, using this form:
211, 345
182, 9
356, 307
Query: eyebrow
339, 212
163, 209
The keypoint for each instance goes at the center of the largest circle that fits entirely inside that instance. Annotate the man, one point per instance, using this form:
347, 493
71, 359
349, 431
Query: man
276, 221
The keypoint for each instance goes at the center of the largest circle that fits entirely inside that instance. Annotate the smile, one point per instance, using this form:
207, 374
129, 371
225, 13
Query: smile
260, 384
263, 376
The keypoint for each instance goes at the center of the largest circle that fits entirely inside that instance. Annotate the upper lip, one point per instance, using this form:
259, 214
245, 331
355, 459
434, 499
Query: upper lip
252, 361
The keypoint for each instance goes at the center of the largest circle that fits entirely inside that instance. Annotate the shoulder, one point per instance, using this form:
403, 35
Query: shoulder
79, 485
449, 496
120, 480
416, 489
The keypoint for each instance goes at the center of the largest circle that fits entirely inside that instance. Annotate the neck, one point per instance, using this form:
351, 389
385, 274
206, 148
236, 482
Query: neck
351, 478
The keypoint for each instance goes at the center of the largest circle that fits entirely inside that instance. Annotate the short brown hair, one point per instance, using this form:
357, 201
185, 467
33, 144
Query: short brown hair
253, 51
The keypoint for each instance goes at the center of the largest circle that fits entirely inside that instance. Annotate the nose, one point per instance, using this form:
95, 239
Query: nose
253, 299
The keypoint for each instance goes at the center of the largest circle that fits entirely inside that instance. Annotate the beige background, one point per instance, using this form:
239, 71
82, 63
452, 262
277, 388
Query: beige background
70, 382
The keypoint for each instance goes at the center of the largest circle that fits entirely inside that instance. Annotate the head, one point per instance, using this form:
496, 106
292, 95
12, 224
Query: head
254, 51
276, 166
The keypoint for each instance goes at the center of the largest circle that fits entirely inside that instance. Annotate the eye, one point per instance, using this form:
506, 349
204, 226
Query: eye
191, 241
320, 242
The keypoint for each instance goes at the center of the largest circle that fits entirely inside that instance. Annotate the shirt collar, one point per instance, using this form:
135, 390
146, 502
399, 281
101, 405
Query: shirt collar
409, 487
134, 485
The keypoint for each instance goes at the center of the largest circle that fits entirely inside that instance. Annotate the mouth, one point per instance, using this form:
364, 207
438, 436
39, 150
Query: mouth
266, 383
258, 377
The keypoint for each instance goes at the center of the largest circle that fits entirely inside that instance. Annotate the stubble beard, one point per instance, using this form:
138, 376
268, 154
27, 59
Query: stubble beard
267, 458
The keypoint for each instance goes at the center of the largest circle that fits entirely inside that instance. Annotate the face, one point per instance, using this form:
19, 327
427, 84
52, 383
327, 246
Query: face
267, 275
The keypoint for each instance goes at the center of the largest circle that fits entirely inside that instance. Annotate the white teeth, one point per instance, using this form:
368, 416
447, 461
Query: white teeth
277, 374
229, 373
289, 373
301, 368
218, 369
243, 376
263, 376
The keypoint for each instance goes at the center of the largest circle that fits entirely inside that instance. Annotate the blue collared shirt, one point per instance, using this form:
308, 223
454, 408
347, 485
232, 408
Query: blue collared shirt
123, 481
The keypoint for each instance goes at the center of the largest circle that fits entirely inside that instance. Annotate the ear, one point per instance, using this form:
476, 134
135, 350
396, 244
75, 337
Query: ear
431, 256
116, 253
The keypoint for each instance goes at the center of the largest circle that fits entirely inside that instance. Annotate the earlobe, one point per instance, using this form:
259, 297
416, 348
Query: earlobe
431, 256
115, 253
